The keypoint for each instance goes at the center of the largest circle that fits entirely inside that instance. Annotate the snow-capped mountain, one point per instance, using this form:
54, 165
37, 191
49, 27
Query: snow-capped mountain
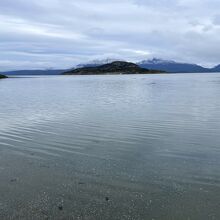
172, 66
155, 61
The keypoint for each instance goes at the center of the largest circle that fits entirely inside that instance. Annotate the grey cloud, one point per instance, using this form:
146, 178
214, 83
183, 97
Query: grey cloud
62, 33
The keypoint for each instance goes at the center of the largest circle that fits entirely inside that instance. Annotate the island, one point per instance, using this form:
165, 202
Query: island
2, 76
116, 67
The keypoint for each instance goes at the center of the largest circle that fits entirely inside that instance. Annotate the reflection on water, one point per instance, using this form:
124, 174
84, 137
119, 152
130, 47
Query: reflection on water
110, 147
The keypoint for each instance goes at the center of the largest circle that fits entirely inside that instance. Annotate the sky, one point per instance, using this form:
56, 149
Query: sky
37, 34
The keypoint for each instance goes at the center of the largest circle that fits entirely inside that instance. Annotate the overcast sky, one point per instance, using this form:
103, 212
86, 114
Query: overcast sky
62, 33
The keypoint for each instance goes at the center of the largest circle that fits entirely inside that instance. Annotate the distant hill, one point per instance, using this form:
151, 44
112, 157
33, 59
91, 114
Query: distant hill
117, 67
33, 72
172, 66
2, 76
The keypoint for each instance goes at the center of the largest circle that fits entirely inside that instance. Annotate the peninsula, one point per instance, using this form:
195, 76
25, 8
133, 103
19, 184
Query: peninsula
117, 67
2, 76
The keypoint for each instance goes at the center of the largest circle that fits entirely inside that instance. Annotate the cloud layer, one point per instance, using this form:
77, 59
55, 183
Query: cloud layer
62, 33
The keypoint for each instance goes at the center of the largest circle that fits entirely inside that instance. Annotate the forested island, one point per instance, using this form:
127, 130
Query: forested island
117, 67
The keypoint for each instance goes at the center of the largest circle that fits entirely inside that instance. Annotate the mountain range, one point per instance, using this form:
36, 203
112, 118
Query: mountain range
158, 64
176, 67
33, 72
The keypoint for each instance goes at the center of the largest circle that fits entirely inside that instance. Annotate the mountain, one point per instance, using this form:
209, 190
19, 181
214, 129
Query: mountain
117, 67
2, 76
216, 68
172, 66
34, 72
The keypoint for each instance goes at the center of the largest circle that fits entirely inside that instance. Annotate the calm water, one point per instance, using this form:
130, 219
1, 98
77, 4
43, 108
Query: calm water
140, 147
